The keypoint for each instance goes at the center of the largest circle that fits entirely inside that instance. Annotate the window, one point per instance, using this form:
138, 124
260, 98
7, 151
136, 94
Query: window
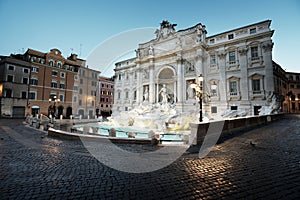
8, 93
297, 78
62, 85
75, 88
80, 91
212, 59
134, 95
214, 109
80, 102
106, 99
233, 107
25, 71
25, 81
10, 78
54, 84
120, 77
11, 67
33, 81
54, 73
62, 74
230, 36
211, 41
61, 97
252, 30
126, 95
24, 95
35, 69
59, 64
291, 77
32, 95
256, 86
81, 81
51, 63
254, 53
75, 99
233, 87
232, 57
119, 95
75, 77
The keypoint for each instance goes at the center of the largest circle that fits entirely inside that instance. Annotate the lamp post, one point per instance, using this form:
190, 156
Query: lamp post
55, 100
199, 93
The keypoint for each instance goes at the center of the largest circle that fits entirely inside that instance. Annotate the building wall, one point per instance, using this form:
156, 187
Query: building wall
87, 95
14, 83
238, 62
52, 75
106, 90
292, 100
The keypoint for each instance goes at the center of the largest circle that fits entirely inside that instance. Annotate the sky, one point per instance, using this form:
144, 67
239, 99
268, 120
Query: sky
80, 26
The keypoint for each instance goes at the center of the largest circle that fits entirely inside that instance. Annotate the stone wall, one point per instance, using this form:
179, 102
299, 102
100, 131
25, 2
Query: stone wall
232, 127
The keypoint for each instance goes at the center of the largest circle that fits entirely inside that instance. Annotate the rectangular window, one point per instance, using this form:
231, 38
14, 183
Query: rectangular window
232, 57
75, 99
256, 86
230, 36
75, 88
119, 95
297, 78
25, 71
233, 107
212, 59
80, 102
252, 30
254, 53
24, 95
32, 95
211, 41
35, 69
10, 78
54, 84
54, 73
33, 81
233, 87
11, 67
126, 95
214, 109
8, 93
81, 81
62, 74
62, 85
75, 77
61, 98
25, 81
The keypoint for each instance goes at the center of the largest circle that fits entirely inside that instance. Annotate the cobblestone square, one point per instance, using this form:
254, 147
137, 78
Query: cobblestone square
263, 163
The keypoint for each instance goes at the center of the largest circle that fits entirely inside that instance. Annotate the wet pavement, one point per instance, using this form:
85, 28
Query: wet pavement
263, 163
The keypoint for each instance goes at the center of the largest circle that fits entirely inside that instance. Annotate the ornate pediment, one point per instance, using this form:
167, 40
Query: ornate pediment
166, 29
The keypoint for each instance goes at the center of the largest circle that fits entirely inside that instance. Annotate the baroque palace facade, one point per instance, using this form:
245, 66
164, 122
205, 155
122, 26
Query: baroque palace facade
237, 67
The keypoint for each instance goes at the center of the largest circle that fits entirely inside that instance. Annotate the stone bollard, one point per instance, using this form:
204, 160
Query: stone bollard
131, 135
112, 132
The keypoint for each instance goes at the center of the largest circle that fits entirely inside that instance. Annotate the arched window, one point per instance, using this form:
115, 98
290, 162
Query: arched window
51, 63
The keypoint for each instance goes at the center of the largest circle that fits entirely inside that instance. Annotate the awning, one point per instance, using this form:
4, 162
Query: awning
35, 107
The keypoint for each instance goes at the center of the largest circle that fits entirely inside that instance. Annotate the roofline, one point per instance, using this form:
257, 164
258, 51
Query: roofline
268, 20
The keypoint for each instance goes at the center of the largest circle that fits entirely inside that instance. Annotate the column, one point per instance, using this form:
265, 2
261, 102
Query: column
151, 83
243, 66
180, 72
267, 58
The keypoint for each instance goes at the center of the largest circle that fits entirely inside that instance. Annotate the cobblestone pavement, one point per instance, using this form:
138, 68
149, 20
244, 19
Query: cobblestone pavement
260, 164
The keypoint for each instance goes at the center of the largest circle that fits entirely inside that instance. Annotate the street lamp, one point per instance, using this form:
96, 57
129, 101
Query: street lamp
199, 93
55, 100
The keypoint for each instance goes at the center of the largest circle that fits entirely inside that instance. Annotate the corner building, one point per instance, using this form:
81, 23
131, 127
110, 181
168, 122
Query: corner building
236, 65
